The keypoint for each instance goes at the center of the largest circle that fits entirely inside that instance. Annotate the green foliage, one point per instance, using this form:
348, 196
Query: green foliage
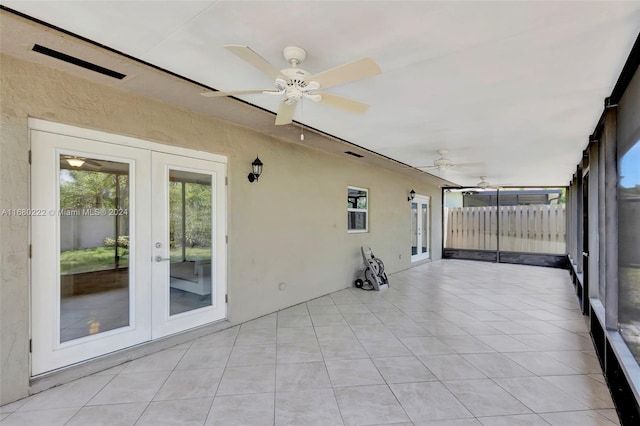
123, 241
561, 199
91, 189
192, 253
197, 211
93, 259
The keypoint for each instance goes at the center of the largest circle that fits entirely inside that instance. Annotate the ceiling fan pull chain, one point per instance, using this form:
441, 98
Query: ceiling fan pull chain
302, 118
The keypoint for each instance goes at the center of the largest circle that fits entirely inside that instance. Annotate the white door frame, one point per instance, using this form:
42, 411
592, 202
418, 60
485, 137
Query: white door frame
423, 234
47, 140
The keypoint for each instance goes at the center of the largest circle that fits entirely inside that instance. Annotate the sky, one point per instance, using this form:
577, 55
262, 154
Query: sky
630, 167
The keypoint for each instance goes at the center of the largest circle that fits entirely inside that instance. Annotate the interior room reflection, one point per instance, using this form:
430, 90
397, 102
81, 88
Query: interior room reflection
190, 239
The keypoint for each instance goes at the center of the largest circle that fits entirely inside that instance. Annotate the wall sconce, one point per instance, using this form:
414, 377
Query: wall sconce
256, 166
411, 196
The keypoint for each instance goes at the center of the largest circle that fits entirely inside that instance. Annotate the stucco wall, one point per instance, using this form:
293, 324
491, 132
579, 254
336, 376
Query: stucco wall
289, 227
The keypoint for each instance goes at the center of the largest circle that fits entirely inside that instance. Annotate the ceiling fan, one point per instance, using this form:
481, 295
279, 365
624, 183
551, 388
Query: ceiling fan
483, 184
444, 163
295, 83
76, 162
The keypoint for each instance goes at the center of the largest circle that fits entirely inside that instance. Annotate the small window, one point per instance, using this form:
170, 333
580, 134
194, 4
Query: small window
357, 209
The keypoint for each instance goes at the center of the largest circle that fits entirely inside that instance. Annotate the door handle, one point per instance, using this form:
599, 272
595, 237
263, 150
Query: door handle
161, 259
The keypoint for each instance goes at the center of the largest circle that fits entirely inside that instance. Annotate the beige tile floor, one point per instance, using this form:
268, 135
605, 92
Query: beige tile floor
450, 343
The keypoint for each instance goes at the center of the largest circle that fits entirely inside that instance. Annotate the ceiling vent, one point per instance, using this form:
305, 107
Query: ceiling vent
77, 61
354, 154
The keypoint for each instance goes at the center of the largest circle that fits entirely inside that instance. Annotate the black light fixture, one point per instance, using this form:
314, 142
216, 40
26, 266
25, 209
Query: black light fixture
412, 195
256, 166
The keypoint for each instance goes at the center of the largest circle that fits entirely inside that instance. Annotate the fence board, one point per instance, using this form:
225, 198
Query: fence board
534, 228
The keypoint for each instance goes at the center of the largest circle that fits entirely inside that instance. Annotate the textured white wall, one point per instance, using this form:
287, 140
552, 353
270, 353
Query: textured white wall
289, 227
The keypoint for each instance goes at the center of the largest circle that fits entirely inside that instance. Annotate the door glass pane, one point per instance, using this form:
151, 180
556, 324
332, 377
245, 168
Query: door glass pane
414, 229
425, 228
190, 239
94, 246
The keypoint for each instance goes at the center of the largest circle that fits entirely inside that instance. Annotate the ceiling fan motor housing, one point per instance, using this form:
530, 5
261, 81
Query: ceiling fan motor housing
442, 162
297, 85
483, 182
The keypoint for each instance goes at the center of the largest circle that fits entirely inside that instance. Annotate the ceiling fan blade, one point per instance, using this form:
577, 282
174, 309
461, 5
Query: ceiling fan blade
92, 162
236, 92
343, 103
355, 70
285, 113
246, 54
467, 165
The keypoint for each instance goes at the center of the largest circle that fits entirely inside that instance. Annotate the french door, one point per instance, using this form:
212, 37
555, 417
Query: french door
128, 245
187, 192
420, 217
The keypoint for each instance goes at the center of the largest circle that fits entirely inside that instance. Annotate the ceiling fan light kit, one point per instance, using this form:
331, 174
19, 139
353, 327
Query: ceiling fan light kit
296, 84
483, 183
443, 162
75, 162
78, 162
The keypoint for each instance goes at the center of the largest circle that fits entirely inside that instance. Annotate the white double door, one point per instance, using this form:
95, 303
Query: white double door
128, 245
420, 238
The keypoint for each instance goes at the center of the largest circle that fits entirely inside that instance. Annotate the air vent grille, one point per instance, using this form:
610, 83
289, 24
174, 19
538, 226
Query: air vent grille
77, 61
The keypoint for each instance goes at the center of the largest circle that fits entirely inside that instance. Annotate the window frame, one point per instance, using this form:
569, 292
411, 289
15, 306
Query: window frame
356, 210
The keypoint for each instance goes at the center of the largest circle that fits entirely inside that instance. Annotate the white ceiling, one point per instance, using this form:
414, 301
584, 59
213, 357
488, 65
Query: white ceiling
517, 86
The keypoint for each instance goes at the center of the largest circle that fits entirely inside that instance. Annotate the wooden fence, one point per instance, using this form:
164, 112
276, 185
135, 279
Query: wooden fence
529, 229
